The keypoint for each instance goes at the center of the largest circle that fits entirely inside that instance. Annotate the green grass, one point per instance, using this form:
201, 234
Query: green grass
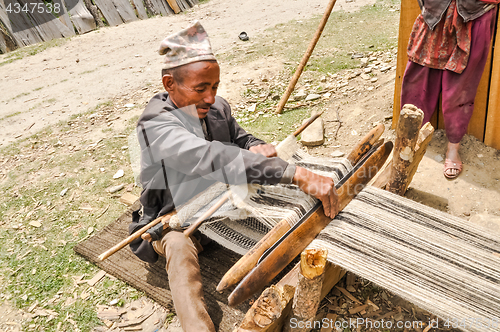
38, 265
372, 28
344, 34
23, 52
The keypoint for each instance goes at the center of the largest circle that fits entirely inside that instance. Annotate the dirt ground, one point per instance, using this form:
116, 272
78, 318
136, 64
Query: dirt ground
93, 68
121, 64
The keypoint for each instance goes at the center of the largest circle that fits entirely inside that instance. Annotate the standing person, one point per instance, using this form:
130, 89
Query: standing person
189, 140
447, 52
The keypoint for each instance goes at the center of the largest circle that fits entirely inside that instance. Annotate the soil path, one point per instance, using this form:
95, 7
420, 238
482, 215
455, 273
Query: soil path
90, 69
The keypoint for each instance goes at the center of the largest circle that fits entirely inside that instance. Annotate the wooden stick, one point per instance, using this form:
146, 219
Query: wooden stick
249, 260
407, 132
306, 57
365, 144
135, 235
308, 292
294, 243
307, 123
194, 226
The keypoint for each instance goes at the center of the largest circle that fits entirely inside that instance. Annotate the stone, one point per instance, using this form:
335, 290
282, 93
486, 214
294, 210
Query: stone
114, 189
313, 96
314, 135
63, 192
373, 80
327, 95
337, 154
367, 70
300, 95
366, 77
119, 174
364, 61
35, 223
252, 108
384, 69
323, 79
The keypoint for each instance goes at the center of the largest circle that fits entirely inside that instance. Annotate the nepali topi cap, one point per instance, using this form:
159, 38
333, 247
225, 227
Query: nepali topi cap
186, 46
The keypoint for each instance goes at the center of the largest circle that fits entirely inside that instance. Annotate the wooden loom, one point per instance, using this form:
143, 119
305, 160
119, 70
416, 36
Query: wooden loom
272, 309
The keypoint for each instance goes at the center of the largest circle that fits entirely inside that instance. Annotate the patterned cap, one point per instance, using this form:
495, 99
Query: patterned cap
186, 46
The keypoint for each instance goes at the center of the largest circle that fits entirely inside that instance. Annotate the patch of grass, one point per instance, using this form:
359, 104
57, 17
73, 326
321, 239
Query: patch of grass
10, 115
32, 50
88, 71
21, 95
344, 33
38, 264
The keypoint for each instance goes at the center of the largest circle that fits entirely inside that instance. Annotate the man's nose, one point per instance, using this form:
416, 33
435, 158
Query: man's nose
210, 97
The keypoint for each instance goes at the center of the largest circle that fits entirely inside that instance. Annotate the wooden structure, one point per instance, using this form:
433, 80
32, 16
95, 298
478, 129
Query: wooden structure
486, 115
74, 16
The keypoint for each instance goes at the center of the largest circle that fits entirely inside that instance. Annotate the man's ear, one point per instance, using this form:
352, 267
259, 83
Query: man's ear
168, 82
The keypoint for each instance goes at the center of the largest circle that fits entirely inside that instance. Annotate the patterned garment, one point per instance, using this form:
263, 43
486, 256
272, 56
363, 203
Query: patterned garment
445, 47
186, 46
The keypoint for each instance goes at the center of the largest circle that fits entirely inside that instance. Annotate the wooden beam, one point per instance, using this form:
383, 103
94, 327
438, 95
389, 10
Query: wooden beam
293, 244
492, 134
409, 12
249, 260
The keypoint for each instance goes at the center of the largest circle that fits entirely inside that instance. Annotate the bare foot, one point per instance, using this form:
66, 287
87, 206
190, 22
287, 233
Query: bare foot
456, 162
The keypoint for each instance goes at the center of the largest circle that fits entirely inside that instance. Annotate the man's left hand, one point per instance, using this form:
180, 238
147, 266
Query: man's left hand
267, 150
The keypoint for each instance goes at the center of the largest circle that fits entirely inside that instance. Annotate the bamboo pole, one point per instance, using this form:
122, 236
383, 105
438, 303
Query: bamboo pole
305, 58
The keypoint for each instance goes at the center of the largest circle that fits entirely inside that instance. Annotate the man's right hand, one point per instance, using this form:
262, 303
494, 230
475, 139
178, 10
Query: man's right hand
321, 187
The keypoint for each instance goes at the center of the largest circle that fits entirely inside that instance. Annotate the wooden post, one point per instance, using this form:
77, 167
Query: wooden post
254, 322
268, 308
424, 138
410, 121
308, 292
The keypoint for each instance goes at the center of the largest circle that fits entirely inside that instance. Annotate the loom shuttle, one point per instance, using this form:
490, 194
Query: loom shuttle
298, 240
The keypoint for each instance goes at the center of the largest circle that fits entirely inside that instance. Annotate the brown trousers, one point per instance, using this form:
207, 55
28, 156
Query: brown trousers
184, 278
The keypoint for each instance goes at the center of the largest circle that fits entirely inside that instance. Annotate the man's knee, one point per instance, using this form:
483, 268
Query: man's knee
177, 244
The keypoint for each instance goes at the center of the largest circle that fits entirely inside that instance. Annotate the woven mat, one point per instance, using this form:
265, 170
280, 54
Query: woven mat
152, 278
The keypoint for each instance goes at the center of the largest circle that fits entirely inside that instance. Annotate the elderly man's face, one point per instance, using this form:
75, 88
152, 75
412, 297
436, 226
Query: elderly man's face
198, 86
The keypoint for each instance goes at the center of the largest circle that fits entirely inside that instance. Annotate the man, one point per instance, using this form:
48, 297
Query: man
447, 52
189, 140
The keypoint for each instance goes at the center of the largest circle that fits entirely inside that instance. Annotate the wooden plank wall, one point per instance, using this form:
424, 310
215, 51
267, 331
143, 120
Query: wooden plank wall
22, 30
486, 116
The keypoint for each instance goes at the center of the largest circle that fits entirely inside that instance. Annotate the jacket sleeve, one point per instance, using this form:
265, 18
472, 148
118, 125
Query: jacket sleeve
167, 139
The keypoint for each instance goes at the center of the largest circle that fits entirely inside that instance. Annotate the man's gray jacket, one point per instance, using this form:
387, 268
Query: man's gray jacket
433, 10
179, 159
